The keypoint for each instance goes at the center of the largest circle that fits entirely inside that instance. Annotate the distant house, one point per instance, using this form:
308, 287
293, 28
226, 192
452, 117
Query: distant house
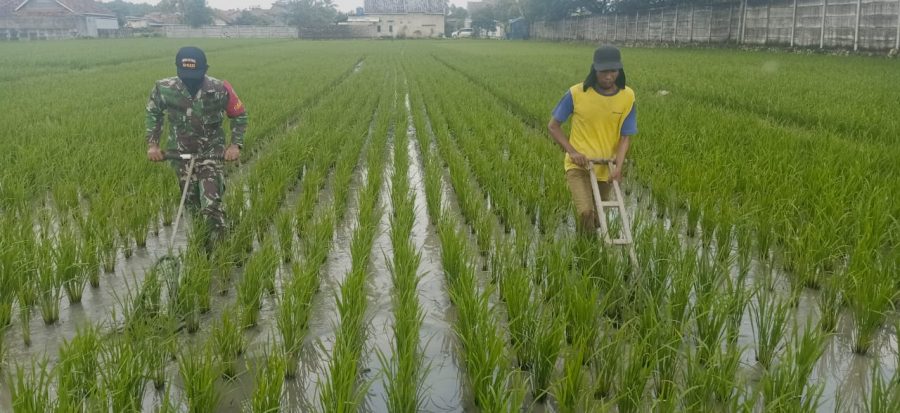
54, 19
406, 18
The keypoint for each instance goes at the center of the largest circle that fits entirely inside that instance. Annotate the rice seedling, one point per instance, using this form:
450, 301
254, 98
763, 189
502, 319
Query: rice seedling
65, 260
199, 370
829, 301
227, 337
570, 386
285, 228
122, 376
769, 316
786, 387
292, 318
869, 295
78, 367
30, 389
884, 395
48, 285
270, 375
547, 343
636, 371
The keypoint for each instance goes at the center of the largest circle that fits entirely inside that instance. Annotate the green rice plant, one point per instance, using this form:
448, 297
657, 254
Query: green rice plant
228, 340
869, 295
66, 261
786, 387
269, 382
25, 321
605, 363
263, 265
30, 390
122, 376
549, 334
78, 367
515, 290
222, 263
666, 341
636, 371
769, 316
829, 301
292, 318
90, 259
199, 370
710, 320
583, 308
48, 285
404, 371
884, 397
571, 385
285, 227
156, 337
433, 187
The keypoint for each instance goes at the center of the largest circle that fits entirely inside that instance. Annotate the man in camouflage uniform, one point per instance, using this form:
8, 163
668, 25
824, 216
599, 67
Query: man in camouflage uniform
195, 105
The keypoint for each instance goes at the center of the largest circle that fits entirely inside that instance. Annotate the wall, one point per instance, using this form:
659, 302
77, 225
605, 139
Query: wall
852, 24
255, 32
412, 25
41, 28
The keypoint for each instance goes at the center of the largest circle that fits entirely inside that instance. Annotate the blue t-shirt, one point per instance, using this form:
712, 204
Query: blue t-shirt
566, 106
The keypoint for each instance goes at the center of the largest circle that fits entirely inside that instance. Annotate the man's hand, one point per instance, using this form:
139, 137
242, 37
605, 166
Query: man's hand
233, 153
615, 174
154, 153
578, 158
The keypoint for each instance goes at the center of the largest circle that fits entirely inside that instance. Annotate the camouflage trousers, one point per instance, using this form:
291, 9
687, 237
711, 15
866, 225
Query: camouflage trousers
204, 192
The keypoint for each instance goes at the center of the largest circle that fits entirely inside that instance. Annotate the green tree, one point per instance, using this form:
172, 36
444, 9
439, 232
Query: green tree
484, 18
455, 19
123, 9
308, 13
248, 18
196, 13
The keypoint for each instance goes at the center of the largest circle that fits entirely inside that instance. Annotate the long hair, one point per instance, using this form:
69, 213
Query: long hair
591, 79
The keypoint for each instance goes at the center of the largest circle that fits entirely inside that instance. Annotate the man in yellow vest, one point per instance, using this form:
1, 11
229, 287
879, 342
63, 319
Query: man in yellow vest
603, 120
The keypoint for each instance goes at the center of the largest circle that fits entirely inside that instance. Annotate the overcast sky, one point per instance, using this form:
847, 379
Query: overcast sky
342, 5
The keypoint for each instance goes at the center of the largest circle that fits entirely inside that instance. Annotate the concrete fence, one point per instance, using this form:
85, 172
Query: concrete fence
238, 32
856, 24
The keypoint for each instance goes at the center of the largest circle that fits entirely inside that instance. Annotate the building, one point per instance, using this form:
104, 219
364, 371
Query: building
55, 19
406, 18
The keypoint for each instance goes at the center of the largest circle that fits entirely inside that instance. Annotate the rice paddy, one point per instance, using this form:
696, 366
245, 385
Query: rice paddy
401, 237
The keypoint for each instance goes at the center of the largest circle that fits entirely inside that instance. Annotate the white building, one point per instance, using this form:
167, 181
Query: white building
54, 19
406, 18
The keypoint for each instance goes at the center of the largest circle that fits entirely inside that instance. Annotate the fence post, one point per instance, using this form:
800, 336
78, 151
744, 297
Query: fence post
709, 29
822, 34
794, 23
675, 32
637, 17
897, 39
730, 19
616, 27
649, 19
743, 22
768, 10
691, 37
856, 30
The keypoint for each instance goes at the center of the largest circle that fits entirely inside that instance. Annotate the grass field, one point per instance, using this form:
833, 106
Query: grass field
402, 239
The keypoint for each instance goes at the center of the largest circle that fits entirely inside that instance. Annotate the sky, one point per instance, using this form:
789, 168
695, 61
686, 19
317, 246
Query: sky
342, 5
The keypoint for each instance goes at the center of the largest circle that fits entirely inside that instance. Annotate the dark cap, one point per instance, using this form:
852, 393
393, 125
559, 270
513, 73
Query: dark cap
607, 57
191, 63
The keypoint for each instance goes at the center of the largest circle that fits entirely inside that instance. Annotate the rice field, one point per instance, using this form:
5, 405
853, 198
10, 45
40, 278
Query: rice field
401, 237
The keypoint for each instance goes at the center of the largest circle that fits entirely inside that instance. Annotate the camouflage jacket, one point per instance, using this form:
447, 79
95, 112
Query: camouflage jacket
195, 122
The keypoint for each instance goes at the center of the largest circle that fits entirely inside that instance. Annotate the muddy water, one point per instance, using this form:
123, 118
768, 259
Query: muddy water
841, 372
444, 382
379, 312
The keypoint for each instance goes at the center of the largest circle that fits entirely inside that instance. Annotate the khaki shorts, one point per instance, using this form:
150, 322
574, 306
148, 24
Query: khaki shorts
579, 181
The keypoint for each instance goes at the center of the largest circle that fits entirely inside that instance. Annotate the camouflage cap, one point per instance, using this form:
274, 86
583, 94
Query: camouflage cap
191, 63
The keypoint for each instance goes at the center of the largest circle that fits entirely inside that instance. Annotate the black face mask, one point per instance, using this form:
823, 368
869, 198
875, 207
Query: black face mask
192, 85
